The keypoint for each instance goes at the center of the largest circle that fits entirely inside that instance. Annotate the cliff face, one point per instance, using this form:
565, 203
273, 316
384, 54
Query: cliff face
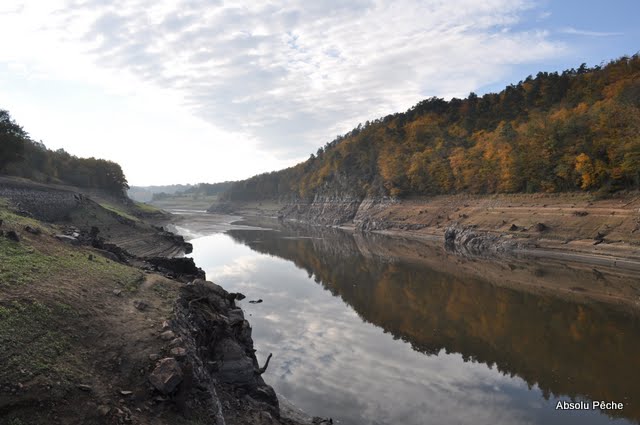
336, 210
324, 209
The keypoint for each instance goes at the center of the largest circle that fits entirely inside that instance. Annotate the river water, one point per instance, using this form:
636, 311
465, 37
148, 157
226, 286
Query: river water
379, 330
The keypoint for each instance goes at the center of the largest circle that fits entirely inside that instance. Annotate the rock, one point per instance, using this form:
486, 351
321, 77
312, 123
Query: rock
69, 239
12, 235
32, 230
179, 266
175, 342
141, 305
255, 301
126, 393
235, 316
468, 242
514, 228
154, 357
235, 296
104, 410
167, 335
85, 387
178, 352
166, 376
165, 325
541, 227
117, 292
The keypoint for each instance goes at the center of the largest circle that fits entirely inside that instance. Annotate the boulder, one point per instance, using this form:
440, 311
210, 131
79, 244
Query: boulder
166, 376
167, 335
178, 352
141, 305
66, 238
32, 230
12, 235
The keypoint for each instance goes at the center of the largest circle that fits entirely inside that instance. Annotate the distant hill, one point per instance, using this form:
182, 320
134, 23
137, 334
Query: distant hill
22, 157
159, 193
145, 193
555, 132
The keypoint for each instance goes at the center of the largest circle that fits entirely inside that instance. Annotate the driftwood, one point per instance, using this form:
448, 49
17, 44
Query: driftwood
263, 369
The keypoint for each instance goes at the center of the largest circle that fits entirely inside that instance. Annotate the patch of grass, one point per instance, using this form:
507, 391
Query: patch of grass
32, 338
146, 208
20, 264
77, 265
119, 211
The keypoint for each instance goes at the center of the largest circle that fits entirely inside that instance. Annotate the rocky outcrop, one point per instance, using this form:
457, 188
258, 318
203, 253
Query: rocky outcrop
219, 351
329, 210
182, 267
468, 241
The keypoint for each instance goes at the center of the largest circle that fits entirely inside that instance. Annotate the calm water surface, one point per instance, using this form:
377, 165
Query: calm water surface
367, 336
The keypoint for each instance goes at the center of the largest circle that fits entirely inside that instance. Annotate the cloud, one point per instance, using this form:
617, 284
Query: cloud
574, 31
293, 74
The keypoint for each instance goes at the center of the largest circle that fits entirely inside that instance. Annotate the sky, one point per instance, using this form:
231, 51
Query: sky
206, 91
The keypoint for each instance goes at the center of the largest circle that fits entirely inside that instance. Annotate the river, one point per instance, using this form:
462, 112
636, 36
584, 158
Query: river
369, 329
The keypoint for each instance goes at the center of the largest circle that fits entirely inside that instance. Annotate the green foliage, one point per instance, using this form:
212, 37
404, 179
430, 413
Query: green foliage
578, 130
12, 138
23, 157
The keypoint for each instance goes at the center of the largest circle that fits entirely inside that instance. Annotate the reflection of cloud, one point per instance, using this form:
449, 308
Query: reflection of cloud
575, 31
326, 359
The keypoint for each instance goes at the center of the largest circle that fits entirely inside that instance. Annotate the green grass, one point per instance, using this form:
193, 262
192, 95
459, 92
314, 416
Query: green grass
119, 211
77, 265
146, 208
21, 265
31, 343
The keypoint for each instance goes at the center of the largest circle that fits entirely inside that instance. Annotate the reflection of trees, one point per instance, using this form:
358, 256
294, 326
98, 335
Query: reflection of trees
566, 348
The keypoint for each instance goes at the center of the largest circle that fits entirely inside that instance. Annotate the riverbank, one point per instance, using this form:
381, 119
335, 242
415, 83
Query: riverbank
102, 321
540, 225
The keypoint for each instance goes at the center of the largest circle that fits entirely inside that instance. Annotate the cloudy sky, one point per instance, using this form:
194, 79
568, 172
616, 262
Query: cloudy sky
191, 91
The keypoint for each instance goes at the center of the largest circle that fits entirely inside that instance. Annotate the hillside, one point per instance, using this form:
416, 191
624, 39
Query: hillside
23, 157
578, 130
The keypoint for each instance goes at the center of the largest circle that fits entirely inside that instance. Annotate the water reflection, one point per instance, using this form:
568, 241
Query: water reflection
447, 346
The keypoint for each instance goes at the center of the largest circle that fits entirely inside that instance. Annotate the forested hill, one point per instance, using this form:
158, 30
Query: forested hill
20, 156
575, 130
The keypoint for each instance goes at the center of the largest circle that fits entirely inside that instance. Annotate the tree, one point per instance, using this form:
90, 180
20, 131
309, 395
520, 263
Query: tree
12, 140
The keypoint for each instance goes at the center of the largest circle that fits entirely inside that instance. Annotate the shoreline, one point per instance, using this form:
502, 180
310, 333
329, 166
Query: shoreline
572, 225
